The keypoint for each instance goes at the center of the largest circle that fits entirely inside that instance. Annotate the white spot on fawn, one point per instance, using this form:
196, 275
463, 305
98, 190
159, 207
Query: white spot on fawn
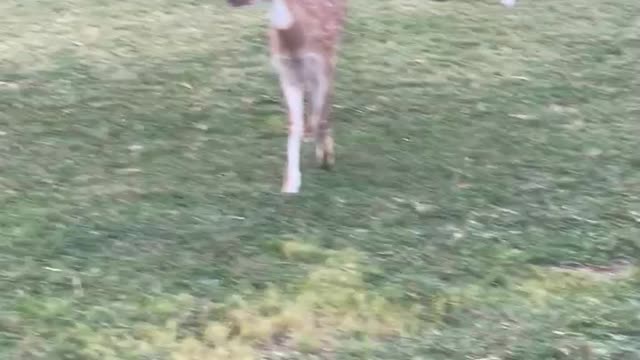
281, 17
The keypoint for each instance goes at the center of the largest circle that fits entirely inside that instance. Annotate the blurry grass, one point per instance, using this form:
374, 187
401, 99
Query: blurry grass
479, 150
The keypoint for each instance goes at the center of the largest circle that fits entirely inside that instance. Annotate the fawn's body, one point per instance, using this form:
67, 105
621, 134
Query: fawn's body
304, 37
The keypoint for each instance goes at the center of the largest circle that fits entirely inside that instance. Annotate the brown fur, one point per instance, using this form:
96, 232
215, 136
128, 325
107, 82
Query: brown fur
316, 31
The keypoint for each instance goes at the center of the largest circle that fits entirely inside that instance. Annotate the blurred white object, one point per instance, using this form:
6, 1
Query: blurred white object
508, 3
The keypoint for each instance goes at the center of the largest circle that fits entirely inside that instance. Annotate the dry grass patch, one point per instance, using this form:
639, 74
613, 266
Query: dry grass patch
331, 304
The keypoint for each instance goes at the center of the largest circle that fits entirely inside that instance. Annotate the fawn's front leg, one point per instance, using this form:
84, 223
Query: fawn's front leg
293, 92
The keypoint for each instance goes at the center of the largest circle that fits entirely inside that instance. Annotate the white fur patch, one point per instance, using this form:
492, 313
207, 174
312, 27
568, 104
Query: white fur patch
295, 104
280, 15
508, 3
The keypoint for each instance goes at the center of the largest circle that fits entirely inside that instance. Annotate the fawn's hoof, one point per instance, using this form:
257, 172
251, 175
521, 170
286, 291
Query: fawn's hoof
291, 184
324, 154
326, 161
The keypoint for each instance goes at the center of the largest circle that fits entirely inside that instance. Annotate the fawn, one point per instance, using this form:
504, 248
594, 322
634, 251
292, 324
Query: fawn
304, 36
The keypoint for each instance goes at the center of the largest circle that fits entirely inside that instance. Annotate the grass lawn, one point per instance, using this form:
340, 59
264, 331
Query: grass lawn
485, 202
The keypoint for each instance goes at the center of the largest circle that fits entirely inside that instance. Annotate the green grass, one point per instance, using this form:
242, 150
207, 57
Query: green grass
480, 149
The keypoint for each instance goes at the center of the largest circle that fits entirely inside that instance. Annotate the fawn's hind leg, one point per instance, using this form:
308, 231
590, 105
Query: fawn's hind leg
292, 85
319, 76
325, 154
